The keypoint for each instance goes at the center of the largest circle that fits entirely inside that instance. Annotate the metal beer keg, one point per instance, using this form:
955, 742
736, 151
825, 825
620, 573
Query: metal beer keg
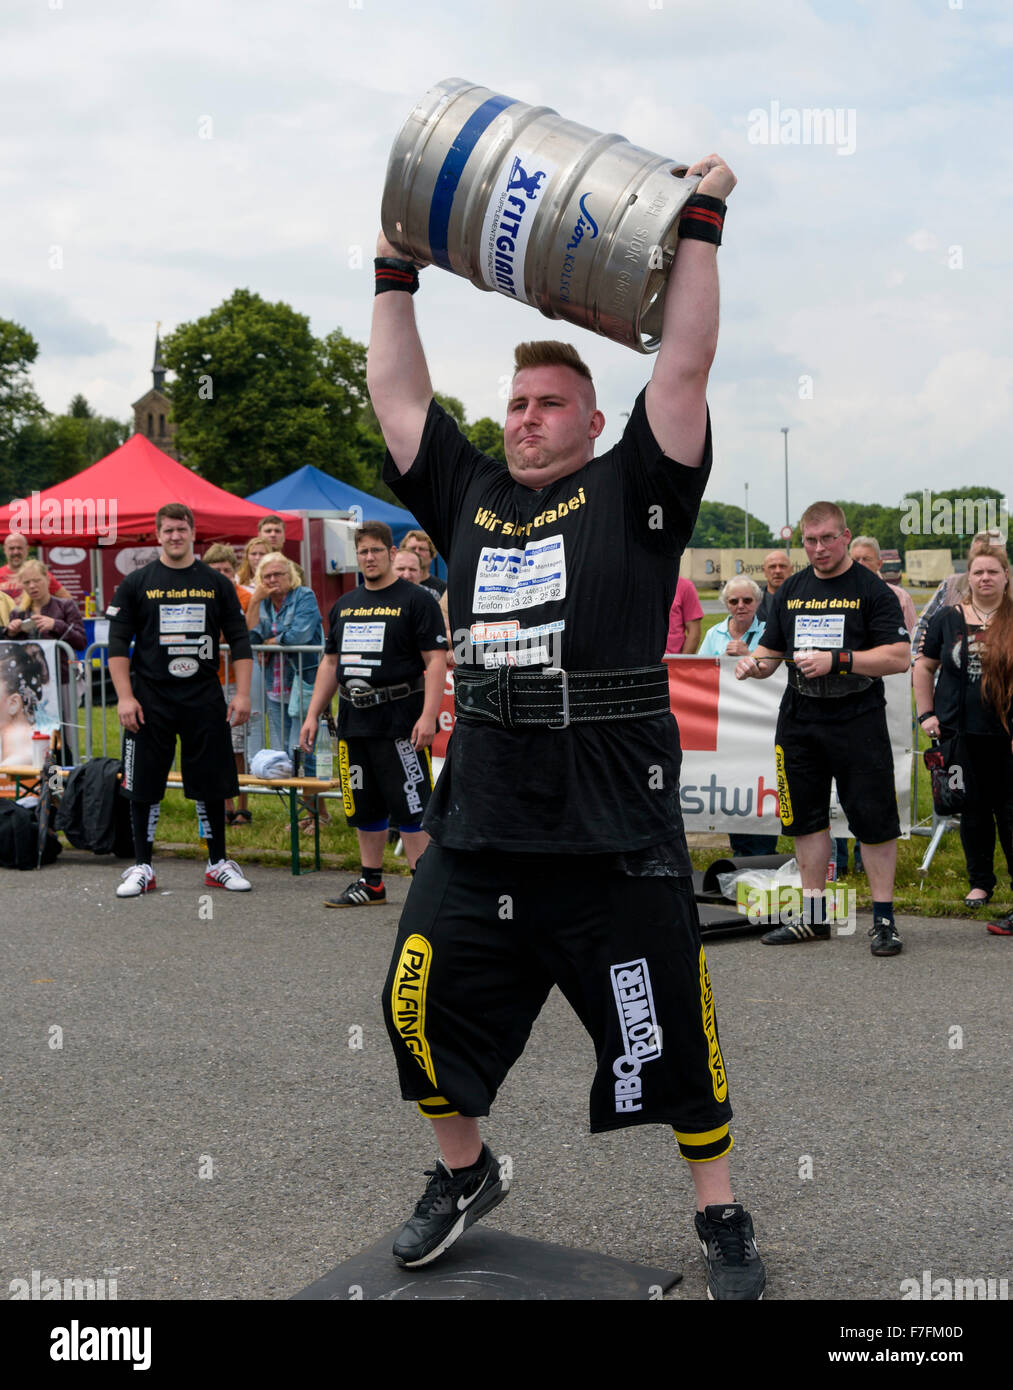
581, 225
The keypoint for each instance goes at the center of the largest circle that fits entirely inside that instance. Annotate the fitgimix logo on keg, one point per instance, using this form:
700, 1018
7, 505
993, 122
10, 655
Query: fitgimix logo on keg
508, 222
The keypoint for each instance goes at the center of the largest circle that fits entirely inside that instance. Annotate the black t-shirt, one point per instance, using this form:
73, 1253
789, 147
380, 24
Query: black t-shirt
176, 616
854, 611
436, 584
944, 643
581, 575
377, 636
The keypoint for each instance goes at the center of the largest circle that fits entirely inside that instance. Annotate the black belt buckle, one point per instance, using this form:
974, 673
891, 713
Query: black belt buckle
564, 691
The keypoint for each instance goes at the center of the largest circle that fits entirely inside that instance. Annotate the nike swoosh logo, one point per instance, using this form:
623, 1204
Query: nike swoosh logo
464, 1202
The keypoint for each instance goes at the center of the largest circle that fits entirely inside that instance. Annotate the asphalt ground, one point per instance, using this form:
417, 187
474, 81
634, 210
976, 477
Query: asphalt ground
205, 1107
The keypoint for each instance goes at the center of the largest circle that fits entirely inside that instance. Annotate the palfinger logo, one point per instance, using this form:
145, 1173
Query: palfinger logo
347, 799
783, 798
715, 1061
408, 1000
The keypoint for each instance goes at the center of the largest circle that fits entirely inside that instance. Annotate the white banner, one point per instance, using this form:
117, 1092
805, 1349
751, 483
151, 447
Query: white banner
729, 781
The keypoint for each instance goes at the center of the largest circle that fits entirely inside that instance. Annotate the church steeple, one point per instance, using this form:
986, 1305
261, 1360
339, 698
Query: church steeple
158, 366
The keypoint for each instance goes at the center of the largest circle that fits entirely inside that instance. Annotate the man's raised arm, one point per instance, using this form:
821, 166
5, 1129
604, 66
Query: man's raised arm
676, 394
396, 370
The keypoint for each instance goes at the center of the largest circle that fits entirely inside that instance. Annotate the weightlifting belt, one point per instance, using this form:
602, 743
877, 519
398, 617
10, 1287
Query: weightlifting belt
361, 698
552, 699
826, 687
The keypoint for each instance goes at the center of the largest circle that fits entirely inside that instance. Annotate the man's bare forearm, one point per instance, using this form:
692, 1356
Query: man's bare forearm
398, 376
119, 671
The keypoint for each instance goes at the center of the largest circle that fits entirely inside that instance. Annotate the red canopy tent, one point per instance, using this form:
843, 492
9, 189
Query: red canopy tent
115, 500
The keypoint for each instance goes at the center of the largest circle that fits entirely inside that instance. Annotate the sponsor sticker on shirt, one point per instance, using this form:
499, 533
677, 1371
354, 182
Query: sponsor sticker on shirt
183, 666
181, 618
494, 632
523, 656
825, 630
363, 637
509, 579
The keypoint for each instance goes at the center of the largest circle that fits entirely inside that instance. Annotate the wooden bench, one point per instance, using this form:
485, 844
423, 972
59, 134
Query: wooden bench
302, 793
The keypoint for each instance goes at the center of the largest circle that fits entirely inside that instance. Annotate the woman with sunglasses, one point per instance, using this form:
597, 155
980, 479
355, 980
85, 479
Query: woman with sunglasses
741, 630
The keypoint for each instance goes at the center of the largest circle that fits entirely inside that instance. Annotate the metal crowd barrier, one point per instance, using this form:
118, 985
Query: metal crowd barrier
261, 714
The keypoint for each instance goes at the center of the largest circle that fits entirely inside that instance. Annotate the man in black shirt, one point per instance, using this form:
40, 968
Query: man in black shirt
841, 629
173, 610
386, 655
558, 851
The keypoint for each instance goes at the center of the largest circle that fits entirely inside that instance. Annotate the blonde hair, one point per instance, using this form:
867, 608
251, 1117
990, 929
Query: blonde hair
245, 574
294, 572
33, 565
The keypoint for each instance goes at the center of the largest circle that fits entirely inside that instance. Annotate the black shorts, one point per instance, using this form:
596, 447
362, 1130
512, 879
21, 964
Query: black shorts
483, 938
856, 753
384, 777
205, 735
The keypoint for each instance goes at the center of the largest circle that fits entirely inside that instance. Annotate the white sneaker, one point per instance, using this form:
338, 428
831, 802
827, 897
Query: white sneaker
226, 874
138, 879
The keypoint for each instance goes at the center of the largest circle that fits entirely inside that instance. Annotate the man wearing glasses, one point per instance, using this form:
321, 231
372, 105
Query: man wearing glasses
841, 630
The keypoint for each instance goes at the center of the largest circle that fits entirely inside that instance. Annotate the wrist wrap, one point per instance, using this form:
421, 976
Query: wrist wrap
395, 274
702, 219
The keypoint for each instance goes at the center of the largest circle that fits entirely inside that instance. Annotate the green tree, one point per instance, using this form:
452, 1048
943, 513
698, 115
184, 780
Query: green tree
720, 526
487, 435
250, 398
19, 405
453, 407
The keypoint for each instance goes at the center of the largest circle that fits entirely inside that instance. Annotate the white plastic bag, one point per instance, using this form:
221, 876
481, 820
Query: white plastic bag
787, 876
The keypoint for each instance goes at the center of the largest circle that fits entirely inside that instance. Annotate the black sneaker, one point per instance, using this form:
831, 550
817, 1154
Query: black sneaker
791, 932
1003, 927
448, 1207
358, 894
885, 938
734, 1267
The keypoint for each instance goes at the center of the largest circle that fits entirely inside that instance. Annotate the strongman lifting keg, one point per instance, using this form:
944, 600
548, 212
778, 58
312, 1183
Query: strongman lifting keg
516, 199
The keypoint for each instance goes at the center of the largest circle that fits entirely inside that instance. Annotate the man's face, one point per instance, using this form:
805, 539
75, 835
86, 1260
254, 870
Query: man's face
416, 546
223, 567
406, 566
551, 425
826, 546
16, 550
776, 569
375, 560
865, 555
274, 533
175, 537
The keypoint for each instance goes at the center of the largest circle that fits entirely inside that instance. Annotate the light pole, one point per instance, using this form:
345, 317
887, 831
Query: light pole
787, 514
747, 516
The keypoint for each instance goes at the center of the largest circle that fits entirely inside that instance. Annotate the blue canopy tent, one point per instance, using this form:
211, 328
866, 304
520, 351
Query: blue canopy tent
309, 489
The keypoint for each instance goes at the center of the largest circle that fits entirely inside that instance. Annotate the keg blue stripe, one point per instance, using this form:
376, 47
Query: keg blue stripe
450, 174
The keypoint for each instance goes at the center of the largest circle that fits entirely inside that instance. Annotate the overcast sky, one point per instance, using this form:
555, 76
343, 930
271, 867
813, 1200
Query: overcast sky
155, 157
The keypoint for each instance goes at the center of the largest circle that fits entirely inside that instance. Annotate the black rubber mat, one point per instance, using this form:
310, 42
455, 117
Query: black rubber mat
486, 1264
